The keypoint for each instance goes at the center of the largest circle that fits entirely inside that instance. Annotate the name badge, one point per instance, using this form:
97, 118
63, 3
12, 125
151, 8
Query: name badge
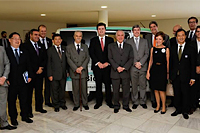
156, 51
186, 56
39, 47
63, 51
21, 52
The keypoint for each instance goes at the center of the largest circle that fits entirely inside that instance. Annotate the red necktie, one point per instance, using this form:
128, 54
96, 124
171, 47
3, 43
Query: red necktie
102, 46
154, 42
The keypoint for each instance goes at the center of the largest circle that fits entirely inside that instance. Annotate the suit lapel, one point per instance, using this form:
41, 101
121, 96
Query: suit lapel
116, 47
134, 44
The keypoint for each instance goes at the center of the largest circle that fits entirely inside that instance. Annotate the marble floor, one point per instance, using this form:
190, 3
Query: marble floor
104, 120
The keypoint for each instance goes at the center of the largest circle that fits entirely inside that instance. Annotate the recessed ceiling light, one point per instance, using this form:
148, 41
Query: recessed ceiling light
153, 16
104, 7
43, 15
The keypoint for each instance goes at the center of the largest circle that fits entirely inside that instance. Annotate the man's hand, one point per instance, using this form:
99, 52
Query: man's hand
120, 69
100, 65
51, 78
40, 70
138, 65
191, 82
105, 64
29, 80
2, 80
79, 69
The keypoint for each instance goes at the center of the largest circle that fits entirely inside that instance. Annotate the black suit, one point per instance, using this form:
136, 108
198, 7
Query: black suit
37, 81
173, 42
18, 87
47, 82
101, 75
2, 43
188, 35
181, 72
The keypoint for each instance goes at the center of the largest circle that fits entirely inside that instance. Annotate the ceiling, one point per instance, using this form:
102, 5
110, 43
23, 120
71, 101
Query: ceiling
86, 11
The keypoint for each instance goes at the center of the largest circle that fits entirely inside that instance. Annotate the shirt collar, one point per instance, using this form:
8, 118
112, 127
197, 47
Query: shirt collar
183, 45
14, 48
102, 37
33, 42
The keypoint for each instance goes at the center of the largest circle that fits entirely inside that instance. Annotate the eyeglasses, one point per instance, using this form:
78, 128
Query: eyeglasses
192, 22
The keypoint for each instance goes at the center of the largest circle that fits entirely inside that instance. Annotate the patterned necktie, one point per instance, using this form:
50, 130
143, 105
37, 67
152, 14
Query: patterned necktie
17, 56
59, 53
36, 49
136, 42
180, 53
78, 49
102, 46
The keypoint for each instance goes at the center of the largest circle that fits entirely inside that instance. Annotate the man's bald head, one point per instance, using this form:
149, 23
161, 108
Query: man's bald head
175, 28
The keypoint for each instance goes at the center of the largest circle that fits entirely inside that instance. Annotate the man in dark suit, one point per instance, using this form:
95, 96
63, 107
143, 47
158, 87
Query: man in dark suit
120, 55
152, 43
4, 71
182, 73
19, 65
194, 92
100, 65
57, 72
47, 42
78, 59
139, 68
4, 41
192, 23
38, 60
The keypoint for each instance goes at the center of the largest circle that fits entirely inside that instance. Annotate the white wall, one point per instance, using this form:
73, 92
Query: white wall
22, 26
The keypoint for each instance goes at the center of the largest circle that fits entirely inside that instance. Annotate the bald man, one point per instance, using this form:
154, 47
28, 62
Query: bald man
173, 39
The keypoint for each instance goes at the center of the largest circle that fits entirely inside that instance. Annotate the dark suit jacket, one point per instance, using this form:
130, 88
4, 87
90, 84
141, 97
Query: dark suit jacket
49, 42
149, 40
123, 59
1, 43
36, 61
197, 54
17, 70
188, 39
173, 42
55, 66
186, 66
96, 53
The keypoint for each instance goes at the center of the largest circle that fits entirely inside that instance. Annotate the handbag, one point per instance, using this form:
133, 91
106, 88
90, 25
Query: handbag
169, 89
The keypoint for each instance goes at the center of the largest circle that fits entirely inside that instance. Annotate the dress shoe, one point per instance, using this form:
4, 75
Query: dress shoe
116, 110
163, 112
86, 107
175, 113
110, 105
9, 127
191, 111
134, 106
75, 108
41, 111
14, 122
49, 104
127, 109
154, 105
185, 115
27, 120
96, 106
64, 107
144, 106
156, 111
30, 115
56, 109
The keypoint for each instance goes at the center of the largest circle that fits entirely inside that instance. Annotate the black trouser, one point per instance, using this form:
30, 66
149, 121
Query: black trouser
194, 93
102, 76
47, 91
19, 91
181, 95
37, 83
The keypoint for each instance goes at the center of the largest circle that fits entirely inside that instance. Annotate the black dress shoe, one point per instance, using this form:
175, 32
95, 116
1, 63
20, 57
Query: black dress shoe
134, 106
156, 111
41, 111
64, 107
27, 120
185, 115
144, 106
116, 110
110, 105
96, 106
9, 127
127, 109
163, 112
175, 113
154, 104
30, 115
49, 104
56, 109
75, 108
86, 107
14, 122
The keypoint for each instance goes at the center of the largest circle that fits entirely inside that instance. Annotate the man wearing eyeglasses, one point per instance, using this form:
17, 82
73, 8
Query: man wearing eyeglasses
192, 23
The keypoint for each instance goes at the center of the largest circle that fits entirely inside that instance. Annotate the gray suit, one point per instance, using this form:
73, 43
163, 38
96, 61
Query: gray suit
123, 58
4, 71
138, 76
76, 60
57, 68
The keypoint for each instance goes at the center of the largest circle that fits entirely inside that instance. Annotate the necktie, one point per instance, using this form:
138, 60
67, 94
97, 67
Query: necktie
191, 33
102, 46
36, 48
78, 49
136, 42
43, 41
120, 47
180, 53
5, 43
154, 42
17, 56
59, 53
